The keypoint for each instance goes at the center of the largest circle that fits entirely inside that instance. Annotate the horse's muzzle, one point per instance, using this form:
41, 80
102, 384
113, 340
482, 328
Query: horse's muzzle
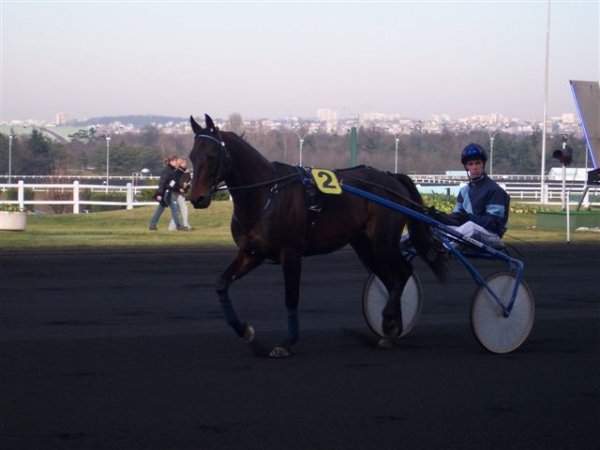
201, 202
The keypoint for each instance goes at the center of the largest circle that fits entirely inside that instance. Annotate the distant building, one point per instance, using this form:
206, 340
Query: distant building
61, 118
329, 117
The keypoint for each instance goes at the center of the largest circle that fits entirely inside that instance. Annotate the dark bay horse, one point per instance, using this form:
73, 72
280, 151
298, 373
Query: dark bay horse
279, 216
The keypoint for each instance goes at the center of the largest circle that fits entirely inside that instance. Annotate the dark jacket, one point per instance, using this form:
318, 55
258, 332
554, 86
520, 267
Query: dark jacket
182, 181
165, 184
485, 203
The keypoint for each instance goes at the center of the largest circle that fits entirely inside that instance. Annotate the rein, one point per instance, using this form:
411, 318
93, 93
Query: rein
389, 191
262, 183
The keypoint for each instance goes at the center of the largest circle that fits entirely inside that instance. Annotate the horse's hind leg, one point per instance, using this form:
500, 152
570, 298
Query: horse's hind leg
394, 272
291, 263
390, 266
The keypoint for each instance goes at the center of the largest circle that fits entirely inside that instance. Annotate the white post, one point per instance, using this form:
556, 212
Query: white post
492, 153
75, 197
301, 137
586, 199
543, 186
10, 141
397, 139
107, 160
21, 194
568, 219
129, 196
564, 177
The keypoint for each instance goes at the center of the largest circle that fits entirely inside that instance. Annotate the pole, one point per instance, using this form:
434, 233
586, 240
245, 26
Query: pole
107, 160
353, 146
10, 139
396, 156
543, 165
301, 135
564, 177
492, 154
568, 219
491, 135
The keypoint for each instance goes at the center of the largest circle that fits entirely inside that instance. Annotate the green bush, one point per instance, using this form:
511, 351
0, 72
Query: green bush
441, 202
145, 195
106, 197
13, 194
222, 195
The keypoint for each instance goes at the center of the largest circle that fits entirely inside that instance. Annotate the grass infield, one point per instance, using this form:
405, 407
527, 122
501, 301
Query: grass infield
129, 229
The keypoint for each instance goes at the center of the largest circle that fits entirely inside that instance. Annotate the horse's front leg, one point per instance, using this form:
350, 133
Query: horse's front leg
291, 264
240, 266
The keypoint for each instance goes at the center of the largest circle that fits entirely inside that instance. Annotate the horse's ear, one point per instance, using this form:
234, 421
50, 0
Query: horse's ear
195, 127
209, 123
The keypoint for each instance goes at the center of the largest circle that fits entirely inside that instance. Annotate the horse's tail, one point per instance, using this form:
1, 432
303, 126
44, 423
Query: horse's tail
421, 237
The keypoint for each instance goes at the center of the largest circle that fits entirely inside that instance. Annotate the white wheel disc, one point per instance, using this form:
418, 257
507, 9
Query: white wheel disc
375, 297
494, 330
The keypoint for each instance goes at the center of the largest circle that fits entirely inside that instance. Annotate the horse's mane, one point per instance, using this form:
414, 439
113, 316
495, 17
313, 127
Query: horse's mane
239, 140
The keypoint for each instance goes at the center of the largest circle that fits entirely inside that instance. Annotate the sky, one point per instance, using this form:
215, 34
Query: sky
282, 59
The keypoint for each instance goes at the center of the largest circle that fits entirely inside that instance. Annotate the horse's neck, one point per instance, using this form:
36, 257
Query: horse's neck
247, 166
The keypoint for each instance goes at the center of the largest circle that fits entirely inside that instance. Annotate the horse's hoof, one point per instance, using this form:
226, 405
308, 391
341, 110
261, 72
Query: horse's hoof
279, 352
391, 331
248, 334
385, 343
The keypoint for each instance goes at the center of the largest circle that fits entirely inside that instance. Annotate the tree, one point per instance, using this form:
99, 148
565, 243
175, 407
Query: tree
126, 159
83, 134
418, 152
36, 159
235, 123
4, 150
150, 136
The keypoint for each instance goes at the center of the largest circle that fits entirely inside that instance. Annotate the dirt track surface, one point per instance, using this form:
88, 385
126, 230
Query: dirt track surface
129, 350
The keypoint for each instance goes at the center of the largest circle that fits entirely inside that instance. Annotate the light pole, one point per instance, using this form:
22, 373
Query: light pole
10, 139
107, 159
397, 141
301, 137
492, 135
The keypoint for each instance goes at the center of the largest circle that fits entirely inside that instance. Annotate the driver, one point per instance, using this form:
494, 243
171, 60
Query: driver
482, 206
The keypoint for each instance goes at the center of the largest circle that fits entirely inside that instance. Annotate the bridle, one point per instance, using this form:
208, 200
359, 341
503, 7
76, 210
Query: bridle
223, 167
223, 164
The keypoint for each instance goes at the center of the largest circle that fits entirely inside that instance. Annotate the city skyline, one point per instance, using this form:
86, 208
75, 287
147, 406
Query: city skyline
265, 59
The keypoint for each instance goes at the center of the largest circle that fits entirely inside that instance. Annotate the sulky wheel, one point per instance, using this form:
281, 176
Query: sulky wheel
497, 331
375, 297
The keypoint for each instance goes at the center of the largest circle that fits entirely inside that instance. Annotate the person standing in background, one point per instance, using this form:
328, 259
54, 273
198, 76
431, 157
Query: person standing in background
183, 180
163, 194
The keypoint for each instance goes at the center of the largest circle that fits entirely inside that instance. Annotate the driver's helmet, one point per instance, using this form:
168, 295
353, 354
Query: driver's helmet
473, 151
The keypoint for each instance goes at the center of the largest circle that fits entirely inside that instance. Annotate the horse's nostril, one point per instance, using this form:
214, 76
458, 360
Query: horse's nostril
201, 202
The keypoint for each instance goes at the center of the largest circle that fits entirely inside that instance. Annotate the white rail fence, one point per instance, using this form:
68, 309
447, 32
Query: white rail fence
75, 189
519, 192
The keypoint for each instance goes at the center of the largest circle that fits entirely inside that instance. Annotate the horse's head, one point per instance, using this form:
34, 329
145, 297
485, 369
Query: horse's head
209, 161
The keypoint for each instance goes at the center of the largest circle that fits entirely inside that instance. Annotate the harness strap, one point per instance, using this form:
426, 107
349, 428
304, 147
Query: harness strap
274, 190
262, 183
212, 138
